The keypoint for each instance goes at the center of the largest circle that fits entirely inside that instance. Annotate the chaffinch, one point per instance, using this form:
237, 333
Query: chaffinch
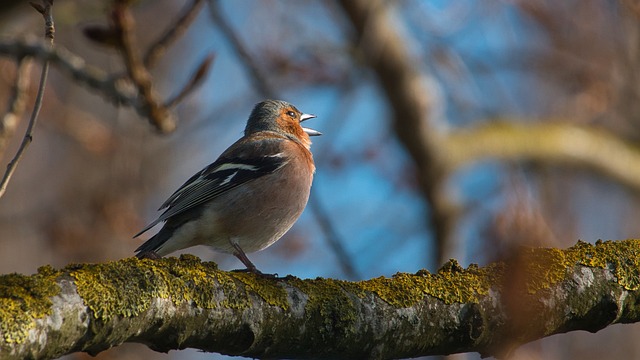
249, 197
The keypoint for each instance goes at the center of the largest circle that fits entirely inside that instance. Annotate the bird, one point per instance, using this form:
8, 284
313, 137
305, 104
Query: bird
249, 197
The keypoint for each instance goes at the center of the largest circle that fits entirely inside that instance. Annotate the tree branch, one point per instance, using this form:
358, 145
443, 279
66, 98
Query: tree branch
161, 118
258, 78
173, 32
17, 103
49, 34
175, 303
196, 79
550, 142
400, 78
76, 67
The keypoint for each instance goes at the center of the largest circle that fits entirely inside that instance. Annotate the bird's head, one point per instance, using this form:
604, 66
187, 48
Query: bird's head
282, 117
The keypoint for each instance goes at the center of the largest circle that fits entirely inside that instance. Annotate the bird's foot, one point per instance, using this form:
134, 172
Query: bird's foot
257, 272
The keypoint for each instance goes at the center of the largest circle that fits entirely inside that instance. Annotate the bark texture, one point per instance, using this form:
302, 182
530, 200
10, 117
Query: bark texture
176, 303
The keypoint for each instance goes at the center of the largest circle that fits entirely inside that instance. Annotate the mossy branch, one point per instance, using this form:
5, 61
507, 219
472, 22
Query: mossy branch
178, 303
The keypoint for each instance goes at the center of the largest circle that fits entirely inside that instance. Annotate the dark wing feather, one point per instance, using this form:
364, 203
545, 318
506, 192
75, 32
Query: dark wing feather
216, 179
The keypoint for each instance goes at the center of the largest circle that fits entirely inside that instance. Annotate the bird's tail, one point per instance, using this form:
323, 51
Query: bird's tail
152, 247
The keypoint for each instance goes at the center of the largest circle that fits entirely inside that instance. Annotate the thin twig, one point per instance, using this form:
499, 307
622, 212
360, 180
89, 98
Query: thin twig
320, 213
86, 74
45, 10
173, 32
159, 115
17, 102
196, 79
259, 79
331, 236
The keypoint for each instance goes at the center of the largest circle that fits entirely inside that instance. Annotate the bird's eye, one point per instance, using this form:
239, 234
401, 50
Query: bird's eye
291, 113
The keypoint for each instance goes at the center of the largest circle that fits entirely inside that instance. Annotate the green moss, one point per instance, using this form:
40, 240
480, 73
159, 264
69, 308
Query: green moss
109, 289
541, 267
547, 266
268, 289
23, 299
622, 256
450, 284
127, 287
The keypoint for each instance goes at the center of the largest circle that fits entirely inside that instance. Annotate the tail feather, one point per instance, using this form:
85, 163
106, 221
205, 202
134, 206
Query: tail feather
154, 244
153, 247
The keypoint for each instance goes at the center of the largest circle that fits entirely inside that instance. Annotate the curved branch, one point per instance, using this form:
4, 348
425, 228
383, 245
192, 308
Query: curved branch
552, 142
45, 11
175, 303
158, 114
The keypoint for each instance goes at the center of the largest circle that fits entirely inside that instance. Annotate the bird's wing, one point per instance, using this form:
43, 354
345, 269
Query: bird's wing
216, 179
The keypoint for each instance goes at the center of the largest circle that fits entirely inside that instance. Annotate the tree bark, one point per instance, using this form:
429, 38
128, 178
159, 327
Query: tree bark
179, 303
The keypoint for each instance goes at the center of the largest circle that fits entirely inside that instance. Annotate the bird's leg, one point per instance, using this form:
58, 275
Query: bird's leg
243, 257
245, 260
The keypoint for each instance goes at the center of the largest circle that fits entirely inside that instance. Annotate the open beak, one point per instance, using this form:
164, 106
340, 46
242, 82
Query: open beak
310, 132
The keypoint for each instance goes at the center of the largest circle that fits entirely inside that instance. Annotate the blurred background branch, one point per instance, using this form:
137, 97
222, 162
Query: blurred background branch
387, 53
173, 33
17, 102
555, 143
45, 9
